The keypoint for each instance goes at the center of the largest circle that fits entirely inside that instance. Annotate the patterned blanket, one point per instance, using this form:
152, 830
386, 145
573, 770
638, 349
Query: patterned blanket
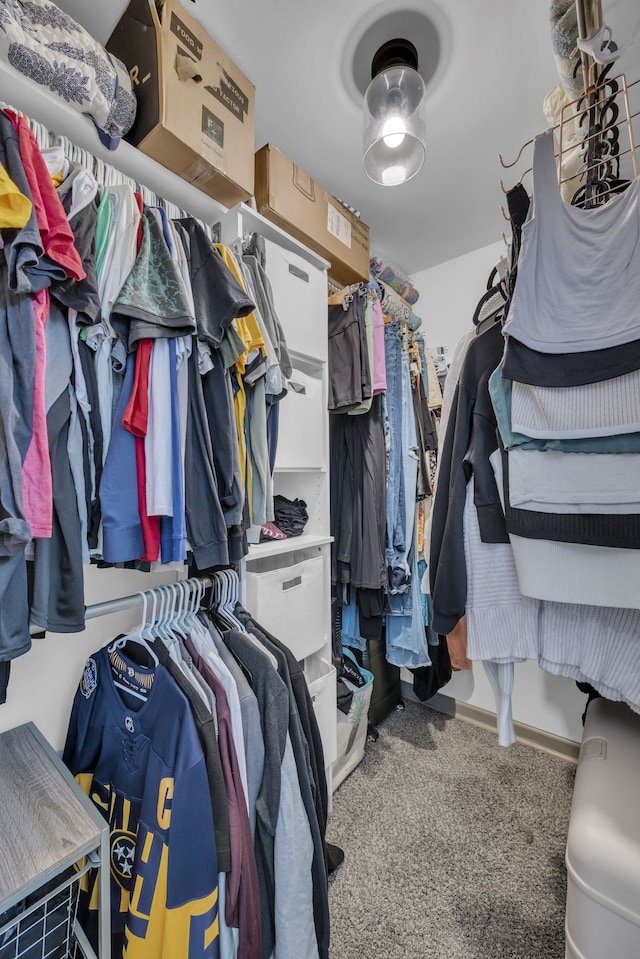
49, 47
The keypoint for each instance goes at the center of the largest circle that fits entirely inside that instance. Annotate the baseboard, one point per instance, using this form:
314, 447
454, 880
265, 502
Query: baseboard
527, 735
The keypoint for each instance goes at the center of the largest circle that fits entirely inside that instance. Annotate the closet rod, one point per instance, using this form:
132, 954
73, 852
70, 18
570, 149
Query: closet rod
590, 22
135, 599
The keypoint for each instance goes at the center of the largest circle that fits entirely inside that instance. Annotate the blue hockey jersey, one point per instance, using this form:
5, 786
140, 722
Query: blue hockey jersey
141, 763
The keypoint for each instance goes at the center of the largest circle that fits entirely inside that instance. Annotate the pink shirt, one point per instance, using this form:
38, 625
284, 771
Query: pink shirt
379, 367
37, 487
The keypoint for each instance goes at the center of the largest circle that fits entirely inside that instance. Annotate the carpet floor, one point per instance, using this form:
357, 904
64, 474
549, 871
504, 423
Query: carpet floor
454, 847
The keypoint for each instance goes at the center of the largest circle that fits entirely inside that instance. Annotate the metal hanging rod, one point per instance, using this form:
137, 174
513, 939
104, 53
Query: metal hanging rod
36, 103
135, 599
590, 22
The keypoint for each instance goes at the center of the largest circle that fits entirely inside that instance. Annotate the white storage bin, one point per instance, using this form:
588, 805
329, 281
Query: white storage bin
351, 730
289, 601
300, 299
321, 680
301, 430
603, 845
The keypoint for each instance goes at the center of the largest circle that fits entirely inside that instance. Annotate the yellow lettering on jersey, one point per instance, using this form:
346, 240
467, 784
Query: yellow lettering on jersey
213, 931
165, 795
99, 801
124, 901
146, 849
85, 780
145, 933
154, 930
126, 814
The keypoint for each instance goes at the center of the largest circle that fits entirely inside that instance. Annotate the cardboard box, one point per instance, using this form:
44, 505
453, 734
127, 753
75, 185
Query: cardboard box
195, 108
291, 199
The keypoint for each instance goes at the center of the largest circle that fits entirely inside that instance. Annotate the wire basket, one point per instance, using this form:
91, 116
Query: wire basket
44, 928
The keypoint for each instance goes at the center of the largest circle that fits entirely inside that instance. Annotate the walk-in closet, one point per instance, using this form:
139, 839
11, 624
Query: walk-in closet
319, 479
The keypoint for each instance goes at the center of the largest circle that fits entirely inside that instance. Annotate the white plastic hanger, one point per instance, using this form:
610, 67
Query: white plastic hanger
139, 635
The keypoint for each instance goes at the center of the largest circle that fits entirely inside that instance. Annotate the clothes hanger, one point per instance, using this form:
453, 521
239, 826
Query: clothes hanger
228, 599
167, 636
187, 586
138, 636
191, 604
163, 604
178, 624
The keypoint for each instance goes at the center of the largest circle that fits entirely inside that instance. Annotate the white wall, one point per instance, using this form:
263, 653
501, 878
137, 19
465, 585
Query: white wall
43, 681
449, 294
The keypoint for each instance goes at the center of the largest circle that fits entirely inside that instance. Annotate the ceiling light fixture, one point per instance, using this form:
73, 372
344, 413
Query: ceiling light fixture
395, 131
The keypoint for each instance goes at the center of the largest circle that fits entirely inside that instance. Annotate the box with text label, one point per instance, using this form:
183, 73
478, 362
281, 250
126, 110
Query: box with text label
288, 197
195, 108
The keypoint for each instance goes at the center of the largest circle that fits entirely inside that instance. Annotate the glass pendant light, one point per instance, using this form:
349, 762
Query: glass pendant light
394, 126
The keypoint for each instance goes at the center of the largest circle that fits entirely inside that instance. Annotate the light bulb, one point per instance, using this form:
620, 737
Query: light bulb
393, 175
393, 132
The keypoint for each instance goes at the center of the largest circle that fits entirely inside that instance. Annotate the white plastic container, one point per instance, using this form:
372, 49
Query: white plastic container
321, 680
289, 601
303, 411
603, 845
352, 729
300, 299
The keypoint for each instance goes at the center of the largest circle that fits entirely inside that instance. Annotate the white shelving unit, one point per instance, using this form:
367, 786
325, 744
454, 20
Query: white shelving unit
288, 582
299, 280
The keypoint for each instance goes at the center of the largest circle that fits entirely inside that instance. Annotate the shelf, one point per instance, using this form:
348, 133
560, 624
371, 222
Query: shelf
254, 222
35, 101
277, 547
45, 824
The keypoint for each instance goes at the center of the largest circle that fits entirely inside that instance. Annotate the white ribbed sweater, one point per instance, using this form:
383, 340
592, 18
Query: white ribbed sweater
593, 644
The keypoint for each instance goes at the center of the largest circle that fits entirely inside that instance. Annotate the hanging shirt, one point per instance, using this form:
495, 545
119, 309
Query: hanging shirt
55, 232
135, 419
205, 724
173, 531
115, 259
36, 470
15, 207
157, 440
578, 279
29, 270
242, 890
273, 701
143, 766
152, 301
122, 529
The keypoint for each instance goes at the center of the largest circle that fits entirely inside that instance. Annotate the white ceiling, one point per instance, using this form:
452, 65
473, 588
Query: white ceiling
497, 65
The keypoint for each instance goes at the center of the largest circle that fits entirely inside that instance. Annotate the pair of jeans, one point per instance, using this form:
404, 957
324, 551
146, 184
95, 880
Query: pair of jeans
403, 463
406, 634
351, 635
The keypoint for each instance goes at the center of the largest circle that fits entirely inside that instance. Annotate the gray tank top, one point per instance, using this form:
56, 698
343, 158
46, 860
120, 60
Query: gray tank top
578, 284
